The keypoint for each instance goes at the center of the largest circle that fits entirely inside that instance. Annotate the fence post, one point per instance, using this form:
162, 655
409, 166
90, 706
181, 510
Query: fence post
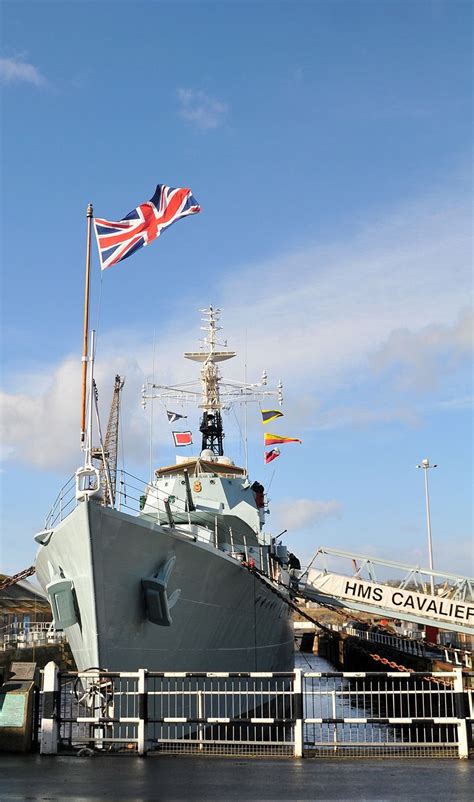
299, 714
49, 722
461, 713
142, 711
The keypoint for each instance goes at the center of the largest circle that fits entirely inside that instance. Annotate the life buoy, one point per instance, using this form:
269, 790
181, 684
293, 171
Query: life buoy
197, 487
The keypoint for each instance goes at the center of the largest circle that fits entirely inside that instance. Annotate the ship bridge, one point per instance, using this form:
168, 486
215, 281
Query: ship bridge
361, 583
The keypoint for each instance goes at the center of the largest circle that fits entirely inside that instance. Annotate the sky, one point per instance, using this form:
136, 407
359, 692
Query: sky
329, 145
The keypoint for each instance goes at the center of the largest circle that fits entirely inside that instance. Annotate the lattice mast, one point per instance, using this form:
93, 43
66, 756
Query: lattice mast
211, 426
216, 394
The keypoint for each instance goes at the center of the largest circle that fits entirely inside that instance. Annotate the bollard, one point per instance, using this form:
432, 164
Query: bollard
463, 745
143, 712
49, 723
299, 714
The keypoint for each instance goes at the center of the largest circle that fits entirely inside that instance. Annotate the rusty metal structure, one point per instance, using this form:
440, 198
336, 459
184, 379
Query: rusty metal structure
106, 455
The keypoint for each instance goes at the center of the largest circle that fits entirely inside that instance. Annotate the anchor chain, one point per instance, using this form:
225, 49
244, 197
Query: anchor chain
12, 580
349, 614
269, 584
389, 630
391, 663
399, 667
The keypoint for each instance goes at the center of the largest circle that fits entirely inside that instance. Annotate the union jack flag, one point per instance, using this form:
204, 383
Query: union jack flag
117, 241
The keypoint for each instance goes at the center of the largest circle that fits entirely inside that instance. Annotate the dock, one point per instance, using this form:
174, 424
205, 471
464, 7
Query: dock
189, 779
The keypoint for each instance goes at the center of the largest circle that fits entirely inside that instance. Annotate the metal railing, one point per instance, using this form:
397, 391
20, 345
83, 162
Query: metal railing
457, 657
364, 567
391, 714
129, 495
394, 714
64, 503
17, 635
406, 645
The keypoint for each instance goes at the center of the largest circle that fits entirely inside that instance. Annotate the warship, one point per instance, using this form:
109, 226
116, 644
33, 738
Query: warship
185, 580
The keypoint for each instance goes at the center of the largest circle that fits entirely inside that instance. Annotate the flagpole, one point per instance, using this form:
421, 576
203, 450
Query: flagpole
85, 356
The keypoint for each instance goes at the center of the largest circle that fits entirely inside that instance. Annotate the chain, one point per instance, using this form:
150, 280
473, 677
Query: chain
12, 580
400, 667
377, 657
350, 614
391, 663
269, 584
391, 631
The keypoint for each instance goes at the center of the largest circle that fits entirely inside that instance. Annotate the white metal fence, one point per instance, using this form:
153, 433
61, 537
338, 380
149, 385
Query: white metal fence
392, 714
455, 656
332, 714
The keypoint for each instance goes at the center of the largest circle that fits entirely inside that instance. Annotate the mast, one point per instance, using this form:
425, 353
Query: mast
211, 426
213, 389
85, 355
87, 477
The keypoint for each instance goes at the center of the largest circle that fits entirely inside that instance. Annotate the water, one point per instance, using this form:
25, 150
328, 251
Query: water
308, 661
337, 698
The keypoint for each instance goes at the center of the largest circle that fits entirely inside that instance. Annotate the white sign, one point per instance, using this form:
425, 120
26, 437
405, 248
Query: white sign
403, 601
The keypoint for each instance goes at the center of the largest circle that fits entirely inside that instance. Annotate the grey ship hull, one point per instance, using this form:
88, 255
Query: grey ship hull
225, 619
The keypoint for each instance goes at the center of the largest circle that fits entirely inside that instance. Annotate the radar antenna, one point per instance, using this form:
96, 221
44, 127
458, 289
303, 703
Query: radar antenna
216, 394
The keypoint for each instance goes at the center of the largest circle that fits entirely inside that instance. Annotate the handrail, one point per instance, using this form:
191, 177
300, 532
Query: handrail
128, 497
379, 561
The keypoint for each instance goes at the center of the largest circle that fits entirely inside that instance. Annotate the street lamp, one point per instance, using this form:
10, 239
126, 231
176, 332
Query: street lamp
425, 464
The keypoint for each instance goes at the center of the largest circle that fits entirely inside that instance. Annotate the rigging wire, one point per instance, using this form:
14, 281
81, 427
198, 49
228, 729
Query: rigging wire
152, 407
271, 480
240, 432
246, 453
98, 312
96, 337
122, 450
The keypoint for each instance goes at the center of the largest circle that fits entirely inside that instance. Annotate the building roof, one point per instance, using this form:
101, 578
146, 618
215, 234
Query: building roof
23, 597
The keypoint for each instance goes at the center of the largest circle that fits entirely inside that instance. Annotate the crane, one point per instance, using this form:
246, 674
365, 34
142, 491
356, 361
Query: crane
106, 455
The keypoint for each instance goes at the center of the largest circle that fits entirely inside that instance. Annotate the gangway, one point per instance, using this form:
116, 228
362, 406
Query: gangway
355, 586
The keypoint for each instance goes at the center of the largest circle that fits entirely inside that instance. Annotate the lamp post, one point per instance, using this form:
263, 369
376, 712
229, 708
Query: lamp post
425, 464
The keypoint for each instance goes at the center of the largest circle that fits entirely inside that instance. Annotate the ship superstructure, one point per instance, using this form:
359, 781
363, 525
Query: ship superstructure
210, 490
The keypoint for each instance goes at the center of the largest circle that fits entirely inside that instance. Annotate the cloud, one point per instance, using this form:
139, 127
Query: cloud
341, 324
42, 427
16, 70
421, 358
329, 326
465, 402
295, 514
37, 429
200, 109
